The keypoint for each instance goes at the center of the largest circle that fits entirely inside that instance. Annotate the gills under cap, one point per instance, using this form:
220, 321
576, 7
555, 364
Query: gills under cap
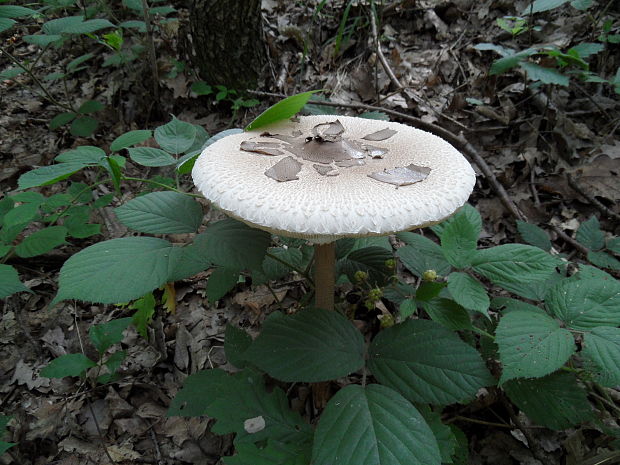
325, 177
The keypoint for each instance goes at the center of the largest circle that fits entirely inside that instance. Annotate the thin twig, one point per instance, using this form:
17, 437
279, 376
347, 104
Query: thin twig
533, 445
569, 240
602, 208
36, 80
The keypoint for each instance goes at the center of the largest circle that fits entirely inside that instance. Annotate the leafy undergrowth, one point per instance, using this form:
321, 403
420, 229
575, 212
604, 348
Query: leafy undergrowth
515, 354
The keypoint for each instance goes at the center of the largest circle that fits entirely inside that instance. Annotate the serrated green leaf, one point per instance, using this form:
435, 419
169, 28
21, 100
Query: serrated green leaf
176, 136
613, 244
90, 106
5, 25
86, 154
555, 401
421, 255
74, 25
602, 347
236, 343
47, 175
213, 392
373, 425
105, 335
14, 11
21, 214
145, 309
83, 126
73, 65
459, 239
273, 269
531, 290
586, 303
149, 156
41, 241
513, 263
68, 365
369, 259
407, 308
442, 432
448, 313
543, 74
118, 270
130, 138
234, 244
282, 110
586, 49
4, 421
274, 453
428, 290
510, 61
590, 235
532, 344
62, 119
468, 292
42, 40
161, 213
220, 282
310, 346
9, 281
534, 235
469, 212
425, 362
604, 260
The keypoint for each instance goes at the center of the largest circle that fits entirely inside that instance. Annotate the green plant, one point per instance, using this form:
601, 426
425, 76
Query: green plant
514, 318
223, 94
32, 223
537, 62
103, 337
4, 446
99, 24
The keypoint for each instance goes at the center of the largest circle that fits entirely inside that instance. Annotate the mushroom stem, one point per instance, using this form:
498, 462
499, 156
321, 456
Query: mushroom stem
324, 274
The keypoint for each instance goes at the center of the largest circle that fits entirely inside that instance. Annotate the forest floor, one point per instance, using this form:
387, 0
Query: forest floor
543, 146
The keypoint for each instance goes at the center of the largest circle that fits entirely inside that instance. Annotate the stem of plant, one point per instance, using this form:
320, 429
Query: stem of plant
324, 275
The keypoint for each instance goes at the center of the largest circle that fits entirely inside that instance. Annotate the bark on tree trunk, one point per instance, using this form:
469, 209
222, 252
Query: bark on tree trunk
227, 41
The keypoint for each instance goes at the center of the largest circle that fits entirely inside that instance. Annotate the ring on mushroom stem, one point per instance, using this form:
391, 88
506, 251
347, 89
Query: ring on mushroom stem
320, 179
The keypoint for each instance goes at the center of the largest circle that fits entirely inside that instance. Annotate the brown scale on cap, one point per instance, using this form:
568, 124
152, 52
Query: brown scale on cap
327, 147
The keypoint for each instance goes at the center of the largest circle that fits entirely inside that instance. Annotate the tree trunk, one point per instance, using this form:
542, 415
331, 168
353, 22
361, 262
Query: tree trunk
227, 41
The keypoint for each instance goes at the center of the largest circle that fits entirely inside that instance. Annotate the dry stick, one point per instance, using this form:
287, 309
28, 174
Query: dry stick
602, 208
569, 240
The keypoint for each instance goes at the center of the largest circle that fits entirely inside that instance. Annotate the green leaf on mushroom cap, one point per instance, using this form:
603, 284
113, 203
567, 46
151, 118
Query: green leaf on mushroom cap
286, 108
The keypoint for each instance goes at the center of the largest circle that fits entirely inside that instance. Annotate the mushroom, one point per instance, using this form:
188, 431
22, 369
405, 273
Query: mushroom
319, 179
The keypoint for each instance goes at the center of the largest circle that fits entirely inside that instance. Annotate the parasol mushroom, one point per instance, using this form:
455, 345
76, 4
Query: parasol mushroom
322, 178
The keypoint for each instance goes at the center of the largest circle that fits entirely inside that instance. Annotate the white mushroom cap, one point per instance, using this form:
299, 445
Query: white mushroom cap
323, 208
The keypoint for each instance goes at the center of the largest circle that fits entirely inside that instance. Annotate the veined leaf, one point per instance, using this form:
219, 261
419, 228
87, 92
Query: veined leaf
586, 303
532, 344
281, 110
590, 235
555, 401
602, 346
9, 281
68, 365
118, 270
310, 346
41, 241
161, 213
373, 425
105, 335
130, 138
513, 263
149, 156
220, 282
468, 292
421, 255
425, 362
176, 136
